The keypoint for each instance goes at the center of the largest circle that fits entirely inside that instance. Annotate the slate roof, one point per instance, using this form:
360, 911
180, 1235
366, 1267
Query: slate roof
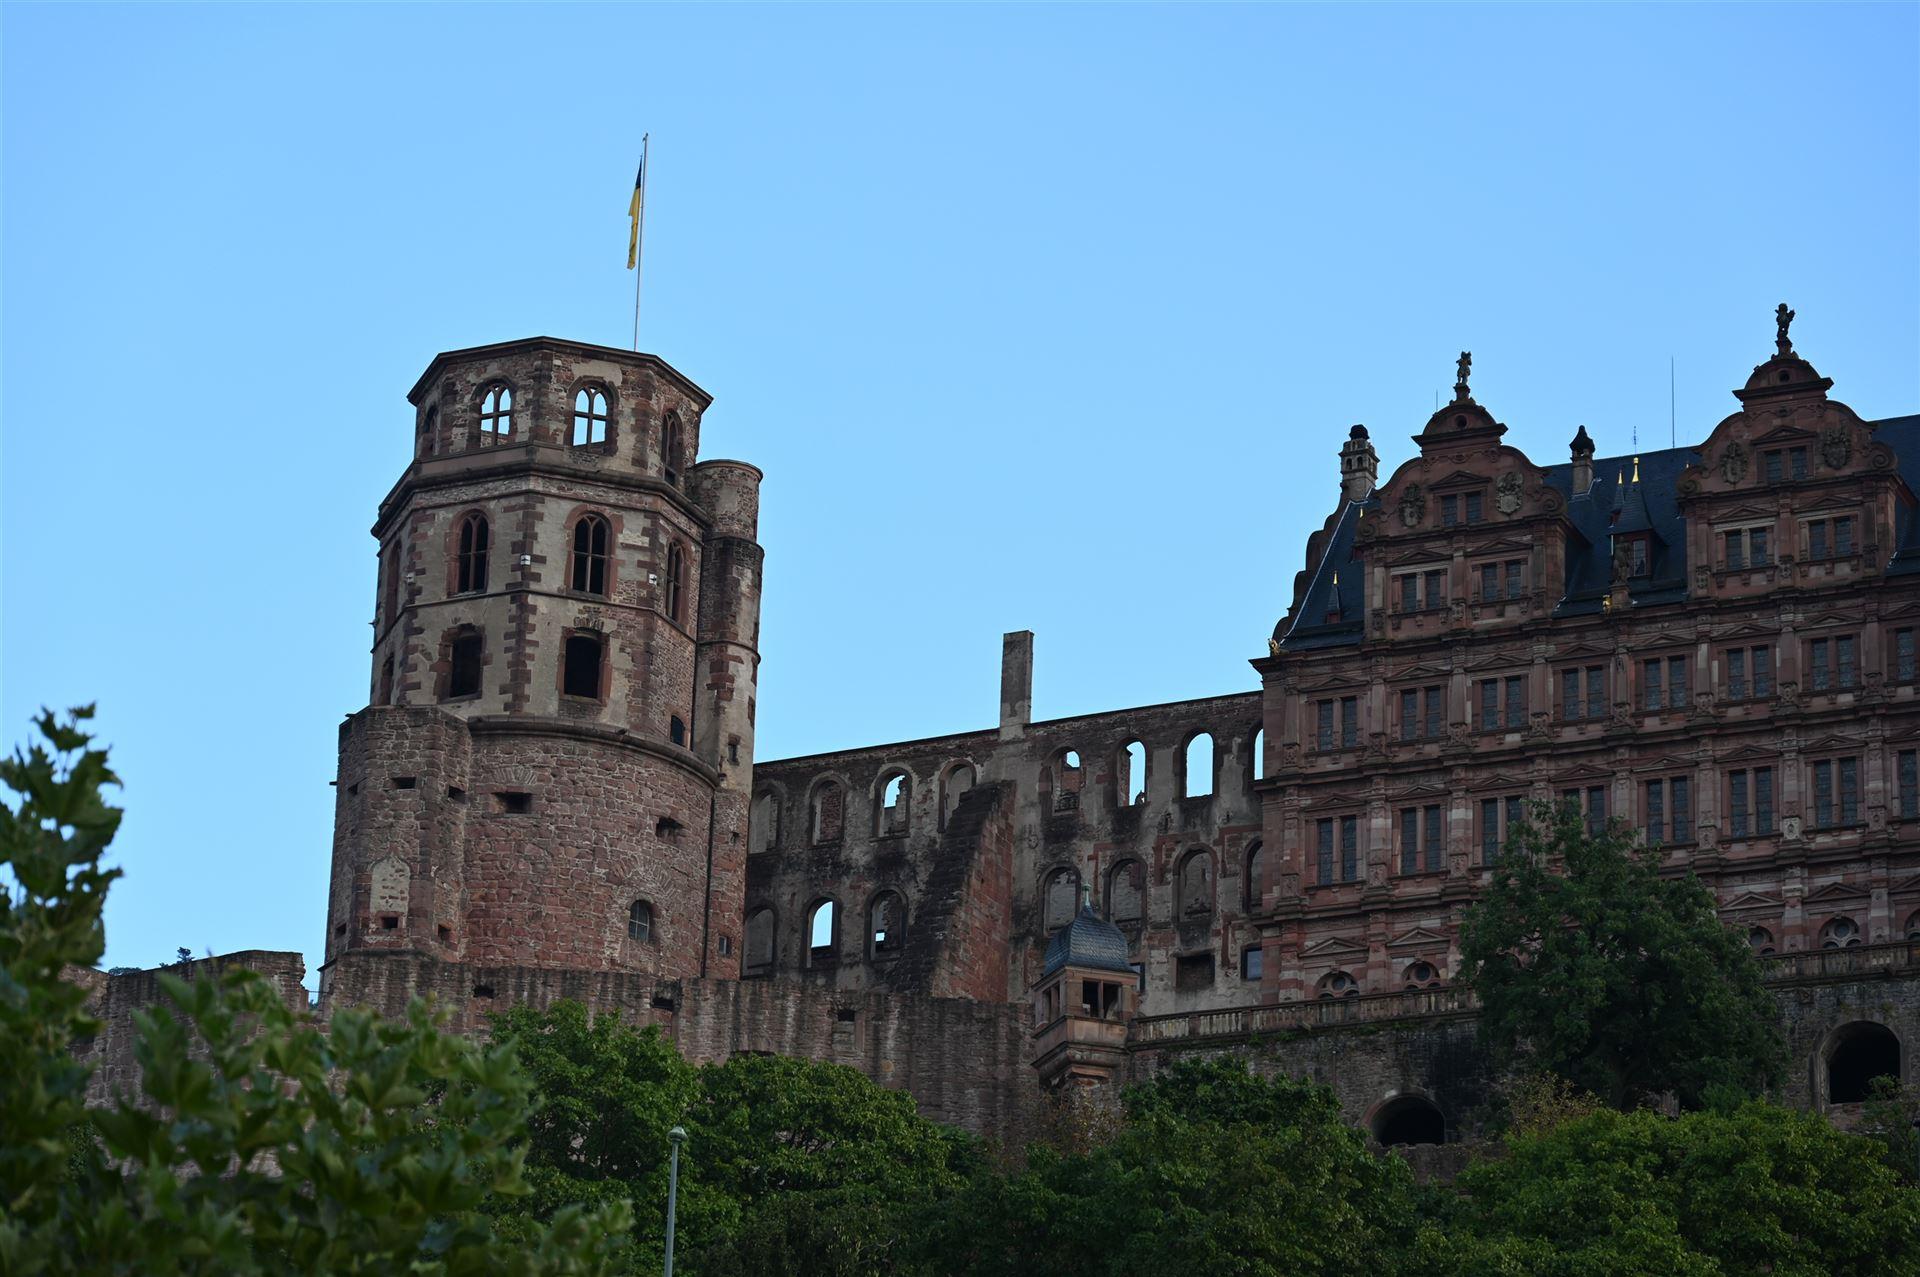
1651, 505
1088, 941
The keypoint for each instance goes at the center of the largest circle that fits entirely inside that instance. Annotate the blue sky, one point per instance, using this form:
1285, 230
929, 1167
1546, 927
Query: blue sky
1047, 318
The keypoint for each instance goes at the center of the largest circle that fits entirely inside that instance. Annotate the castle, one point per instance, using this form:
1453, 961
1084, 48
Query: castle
553, 791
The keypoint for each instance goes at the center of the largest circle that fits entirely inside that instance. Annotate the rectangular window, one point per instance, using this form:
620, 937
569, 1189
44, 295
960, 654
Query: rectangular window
1516, 576
1736, 674
1423, 713
1435, 585
1349, 849
1669, 810
1422, 846
1663, 683
1410, 592
1250, 963
1349, 722
1499, 817
1503, 703
1409, 714
1516, 701
1836, 792
1775, 463
1797, 462
1909, 771
1750, 802
1593, 704
1903, 656
1489, 704
1323, 728
1324, 851
1436, 712
1489, 581
1745, 548
1655, 815
1830, 663
1422, 591
1474, 506
1749, 672
1593, 801
1449, 510
1830, 538
1345, 830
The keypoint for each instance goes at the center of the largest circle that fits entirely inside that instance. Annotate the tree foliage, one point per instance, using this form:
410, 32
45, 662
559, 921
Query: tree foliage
1592, 965
259, 1143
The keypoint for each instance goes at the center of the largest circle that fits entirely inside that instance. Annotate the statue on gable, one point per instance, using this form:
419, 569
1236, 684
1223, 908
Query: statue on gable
1413, 505
1506, 492
1836, 447
1735, 460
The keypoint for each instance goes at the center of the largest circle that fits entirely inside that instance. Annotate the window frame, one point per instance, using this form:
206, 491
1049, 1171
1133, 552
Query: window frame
472, 549
597, 415
587, 562
495, 424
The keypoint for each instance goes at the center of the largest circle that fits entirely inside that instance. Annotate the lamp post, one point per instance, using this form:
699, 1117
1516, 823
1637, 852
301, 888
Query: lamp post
676, 1137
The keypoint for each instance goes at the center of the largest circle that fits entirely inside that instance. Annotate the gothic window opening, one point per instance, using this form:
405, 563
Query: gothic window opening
589, 416
670, 448
1257, 756
891, 812
1063, 778
385, 693
471, 571
463, 665
1060, 898
1253, 886
766, 821
591, 537
676, 584
886, 917
823, 930
828, 812
1126, 889
581, 662
429, 431
759, 955
1199, 766
496, 414
954, 783
1194, 886
640, 921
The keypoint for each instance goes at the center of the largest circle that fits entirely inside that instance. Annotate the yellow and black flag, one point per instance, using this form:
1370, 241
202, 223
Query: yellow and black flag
636, 208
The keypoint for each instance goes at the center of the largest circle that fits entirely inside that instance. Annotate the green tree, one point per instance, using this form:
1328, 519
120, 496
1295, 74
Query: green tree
1215, 1172
1592, 965
261, 1143
1755, 1190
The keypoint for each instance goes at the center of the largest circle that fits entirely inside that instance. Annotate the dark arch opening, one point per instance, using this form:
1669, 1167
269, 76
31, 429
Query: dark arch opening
1409, 1120
1861, 1052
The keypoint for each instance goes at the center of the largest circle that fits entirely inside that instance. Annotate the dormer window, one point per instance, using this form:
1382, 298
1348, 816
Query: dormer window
1784, 463
1639, 556
496, 414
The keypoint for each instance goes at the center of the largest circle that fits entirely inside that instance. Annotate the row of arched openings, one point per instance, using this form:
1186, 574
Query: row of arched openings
497, 423
1063, 777
892, 805
1126, 888
589, 561
885, 934
1836, 933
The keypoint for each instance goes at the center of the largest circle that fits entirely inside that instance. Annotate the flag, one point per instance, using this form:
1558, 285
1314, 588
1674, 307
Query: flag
633, 211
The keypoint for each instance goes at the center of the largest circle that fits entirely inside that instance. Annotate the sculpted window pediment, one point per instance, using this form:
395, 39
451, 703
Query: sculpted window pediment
1909, 608
1582, 651
1846, 503
1646, 643
1909, 886
1751, 900
1836, 619
1409, 793
1502, 545
1507, 662
1665, 763
1748, 754
1832, 744
1783, 434
1501, 781
1332, 683
1460, 479
1568, 778
1746, 629
1834, 892
1334, 947
1418, 938
1746, 513
1424, 670
1421, 559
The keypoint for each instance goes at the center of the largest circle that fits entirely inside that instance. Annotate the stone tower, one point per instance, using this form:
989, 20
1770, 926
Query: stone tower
555, 764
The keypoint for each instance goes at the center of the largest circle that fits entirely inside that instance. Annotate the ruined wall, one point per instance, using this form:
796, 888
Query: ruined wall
114, 999
965, 1063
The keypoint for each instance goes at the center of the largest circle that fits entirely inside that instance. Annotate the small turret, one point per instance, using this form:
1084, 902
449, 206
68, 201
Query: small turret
1582, 461
1087, 994
1359, 466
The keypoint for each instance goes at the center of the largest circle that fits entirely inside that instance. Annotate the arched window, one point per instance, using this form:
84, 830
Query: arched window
496, 414
429, 431
1913, 926
766, 821
472, 556
677, 730
1841, 933
640, 921
1193, 886
1060, 898
1126, 890
1253, 886
590, 539
954, 782
589, 416
676, 583
823, 932
1760, 940
1065, 778
386, 681
1410, 1119
886, 926
581, 661
1422, 975
1257, 756
670, 446
1338, 984
890, 809
759, 954
829, 812
1130, 775
1199, 768
1861, 1052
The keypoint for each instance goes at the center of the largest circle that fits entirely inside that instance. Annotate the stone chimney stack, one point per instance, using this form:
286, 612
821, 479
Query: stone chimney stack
1359, 465
1016, 684
1582, 462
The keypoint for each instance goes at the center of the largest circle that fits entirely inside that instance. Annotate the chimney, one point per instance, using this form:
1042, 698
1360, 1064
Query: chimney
1582, 462
1359, 465
1016, 684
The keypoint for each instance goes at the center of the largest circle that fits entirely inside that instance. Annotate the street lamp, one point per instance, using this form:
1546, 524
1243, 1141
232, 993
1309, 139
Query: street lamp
676, 1137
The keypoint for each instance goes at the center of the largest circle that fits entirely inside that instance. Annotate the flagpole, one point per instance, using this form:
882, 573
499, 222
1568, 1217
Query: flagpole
640, 241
